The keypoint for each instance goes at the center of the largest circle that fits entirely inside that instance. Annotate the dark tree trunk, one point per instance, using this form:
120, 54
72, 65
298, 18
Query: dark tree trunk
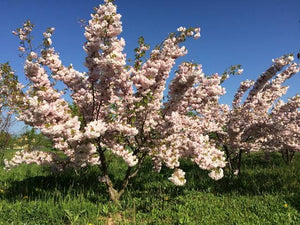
239, 162
131, 172
228, 157
287, 155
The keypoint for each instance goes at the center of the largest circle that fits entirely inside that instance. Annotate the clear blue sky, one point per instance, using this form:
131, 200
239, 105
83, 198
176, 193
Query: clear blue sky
246, 32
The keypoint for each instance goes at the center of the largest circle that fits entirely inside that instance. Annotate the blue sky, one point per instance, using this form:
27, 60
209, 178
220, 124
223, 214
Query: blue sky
250, 33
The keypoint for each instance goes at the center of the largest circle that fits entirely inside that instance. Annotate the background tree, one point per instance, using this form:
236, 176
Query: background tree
8, 89
33, 140
259, 120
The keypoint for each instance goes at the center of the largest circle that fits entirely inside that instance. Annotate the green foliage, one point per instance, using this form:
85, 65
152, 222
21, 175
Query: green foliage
33, 140
4, 139
267, 192
140, 53
213, 135
9, 89
75, 111
232, 70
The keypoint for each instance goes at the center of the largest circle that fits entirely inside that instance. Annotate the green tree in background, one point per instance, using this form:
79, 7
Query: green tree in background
32, 140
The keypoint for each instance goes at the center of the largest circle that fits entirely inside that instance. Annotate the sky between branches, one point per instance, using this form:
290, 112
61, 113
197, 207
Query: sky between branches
246, 32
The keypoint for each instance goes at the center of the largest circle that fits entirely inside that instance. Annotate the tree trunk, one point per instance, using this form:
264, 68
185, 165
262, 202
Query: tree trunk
292, 154
239, 162
228, 157
287, 155
115, 195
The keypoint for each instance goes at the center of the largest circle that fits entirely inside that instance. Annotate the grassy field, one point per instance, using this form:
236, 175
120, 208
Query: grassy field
267, 192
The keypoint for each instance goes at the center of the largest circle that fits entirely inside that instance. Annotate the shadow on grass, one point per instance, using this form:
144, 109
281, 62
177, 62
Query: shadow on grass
71, 184
258, 177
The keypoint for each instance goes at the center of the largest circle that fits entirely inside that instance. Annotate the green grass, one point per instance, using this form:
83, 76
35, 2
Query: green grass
266, 192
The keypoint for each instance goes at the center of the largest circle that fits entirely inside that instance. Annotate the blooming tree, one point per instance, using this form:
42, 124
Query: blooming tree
118, 108
262, 121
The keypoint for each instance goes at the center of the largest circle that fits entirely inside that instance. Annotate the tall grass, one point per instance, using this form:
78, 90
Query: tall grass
266, 192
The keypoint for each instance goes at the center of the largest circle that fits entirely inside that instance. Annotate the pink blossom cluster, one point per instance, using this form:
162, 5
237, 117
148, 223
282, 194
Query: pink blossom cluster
94, 129
178, 177
24, 34
34, 157
191, 112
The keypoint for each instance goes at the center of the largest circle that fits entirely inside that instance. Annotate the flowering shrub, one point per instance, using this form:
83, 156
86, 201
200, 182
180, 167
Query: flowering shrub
263, 121
119, 108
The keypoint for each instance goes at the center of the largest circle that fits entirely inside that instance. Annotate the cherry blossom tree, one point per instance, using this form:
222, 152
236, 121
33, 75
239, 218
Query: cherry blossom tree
259, 119
119, 109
